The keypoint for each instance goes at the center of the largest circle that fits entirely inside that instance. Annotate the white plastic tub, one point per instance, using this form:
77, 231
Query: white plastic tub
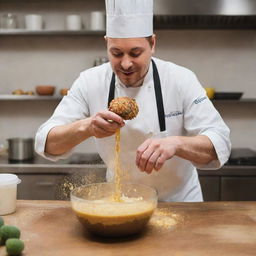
8, 193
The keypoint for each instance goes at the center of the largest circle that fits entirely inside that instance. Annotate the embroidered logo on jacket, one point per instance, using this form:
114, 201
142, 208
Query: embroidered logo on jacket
174, 113
199, 100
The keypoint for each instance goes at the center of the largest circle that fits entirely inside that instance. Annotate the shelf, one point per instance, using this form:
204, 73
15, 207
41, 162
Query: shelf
161, 22
17, 32
28, 97
37, 97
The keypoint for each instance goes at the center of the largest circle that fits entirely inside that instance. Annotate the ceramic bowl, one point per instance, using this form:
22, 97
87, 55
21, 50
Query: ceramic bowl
45, 89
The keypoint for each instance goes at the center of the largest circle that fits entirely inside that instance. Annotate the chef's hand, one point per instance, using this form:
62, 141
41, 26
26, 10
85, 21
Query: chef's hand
153, 153
105, 123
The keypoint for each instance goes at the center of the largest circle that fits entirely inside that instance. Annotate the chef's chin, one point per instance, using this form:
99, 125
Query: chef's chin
131, 81
126, 80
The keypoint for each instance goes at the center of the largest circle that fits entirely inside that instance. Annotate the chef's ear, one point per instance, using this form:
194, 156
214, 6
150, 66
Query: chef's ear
153, 43
106, 41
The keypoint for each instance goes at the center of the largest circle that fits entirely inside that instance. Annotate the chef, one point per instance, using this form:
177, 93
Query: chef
176, 130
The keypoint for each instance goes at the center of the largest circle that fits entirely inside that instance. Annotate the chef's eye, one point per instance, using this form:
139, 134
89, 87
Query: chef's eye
117, 54
135, 54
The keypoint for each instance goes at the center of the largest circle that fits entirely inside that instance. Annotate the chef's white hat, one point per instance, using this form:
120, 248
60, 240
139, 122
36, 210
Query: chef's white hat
129, 18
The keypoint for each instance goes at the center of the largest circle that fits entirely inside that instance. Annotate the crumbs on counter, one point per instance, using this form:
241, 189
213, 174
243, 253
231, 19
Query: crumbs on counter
165, 218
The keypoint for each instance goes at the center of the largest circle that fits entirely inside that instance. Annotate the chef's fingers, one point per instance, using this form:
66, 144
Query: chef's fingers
101, 133
99, 121
140, 150
160, 162
145, 158
111, 116
152, 162
109, 126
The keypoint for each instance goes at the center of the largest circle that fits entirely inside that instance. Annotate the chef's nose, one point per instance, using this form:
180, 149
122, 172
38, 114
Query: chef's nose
126, 63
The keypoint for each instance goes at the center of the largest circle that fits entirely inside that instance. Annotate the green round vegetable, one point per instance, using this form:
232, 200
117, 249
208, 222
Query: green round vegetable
14, 246
7, 232
1, 221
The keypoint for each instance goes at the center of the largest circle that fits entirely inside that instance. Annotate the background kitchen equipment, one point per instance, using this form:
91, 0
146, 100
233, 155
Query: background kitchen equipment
242, 156
20, 149
8, 192
74, 22
227, 95
88, 158
8, 21
45, 89
34, 22
3, 149
98, 20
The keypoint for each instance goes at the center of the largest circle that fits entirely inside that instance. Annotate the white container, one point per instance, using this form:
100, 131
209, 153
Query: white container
8, 193
98, 20
9, 21
73, 22
34, 22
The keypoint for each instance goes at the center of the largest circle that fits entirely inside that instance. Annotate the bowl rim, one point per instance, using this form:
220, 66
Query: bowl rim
78, 199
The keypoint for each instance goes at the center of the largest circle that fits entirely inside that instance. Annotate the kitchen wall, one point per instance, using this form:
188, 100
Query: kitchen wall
223, 59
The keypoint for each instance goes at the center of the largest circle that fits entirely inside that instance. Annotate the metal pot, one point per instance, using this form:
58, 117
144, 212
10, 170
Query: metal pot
20, 149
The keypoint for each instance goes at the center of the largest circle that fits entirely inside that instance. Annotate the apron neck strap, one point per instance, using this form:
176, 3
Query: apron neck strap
158, 95
159, 98
111, 94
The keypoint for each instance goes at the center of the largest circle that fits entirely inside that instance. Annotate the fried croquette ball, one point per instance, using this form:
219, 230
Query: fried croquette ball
125, 107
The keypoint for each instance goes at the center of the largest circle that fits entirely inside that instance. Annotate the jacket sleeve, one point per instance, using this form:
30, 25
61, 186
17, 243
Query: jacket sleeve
72, 107
201, 118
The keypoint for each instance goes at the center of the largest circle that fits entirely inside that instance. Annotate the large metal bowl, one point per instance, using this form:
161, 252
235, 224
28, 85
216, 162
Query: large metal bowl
102, 215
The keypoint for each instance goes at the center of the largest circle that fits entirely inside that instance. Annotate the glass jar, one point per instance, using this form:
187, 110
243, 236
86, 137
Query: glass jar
8, 21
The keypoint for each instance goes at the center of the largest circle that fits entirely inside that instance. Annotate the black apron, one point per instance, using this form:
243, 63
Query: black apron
158, 94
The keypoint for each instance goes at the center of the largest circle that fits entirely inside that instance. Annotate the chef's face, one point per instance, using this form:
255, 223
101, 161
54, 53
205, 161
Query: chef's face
130, 58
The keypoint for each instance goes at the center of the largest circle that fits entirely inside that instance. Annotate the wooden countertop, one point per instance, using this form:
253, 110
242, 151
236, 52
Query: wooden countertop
50, 228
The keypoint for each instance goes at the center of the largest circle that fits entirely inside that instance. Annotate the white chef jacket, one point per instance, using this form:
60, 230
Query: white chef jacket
188, 112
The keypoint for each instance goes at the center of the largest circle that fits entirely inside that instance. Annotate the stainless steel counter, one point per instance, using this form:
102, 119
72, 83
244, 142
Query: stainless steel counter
41, 165
93, 161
